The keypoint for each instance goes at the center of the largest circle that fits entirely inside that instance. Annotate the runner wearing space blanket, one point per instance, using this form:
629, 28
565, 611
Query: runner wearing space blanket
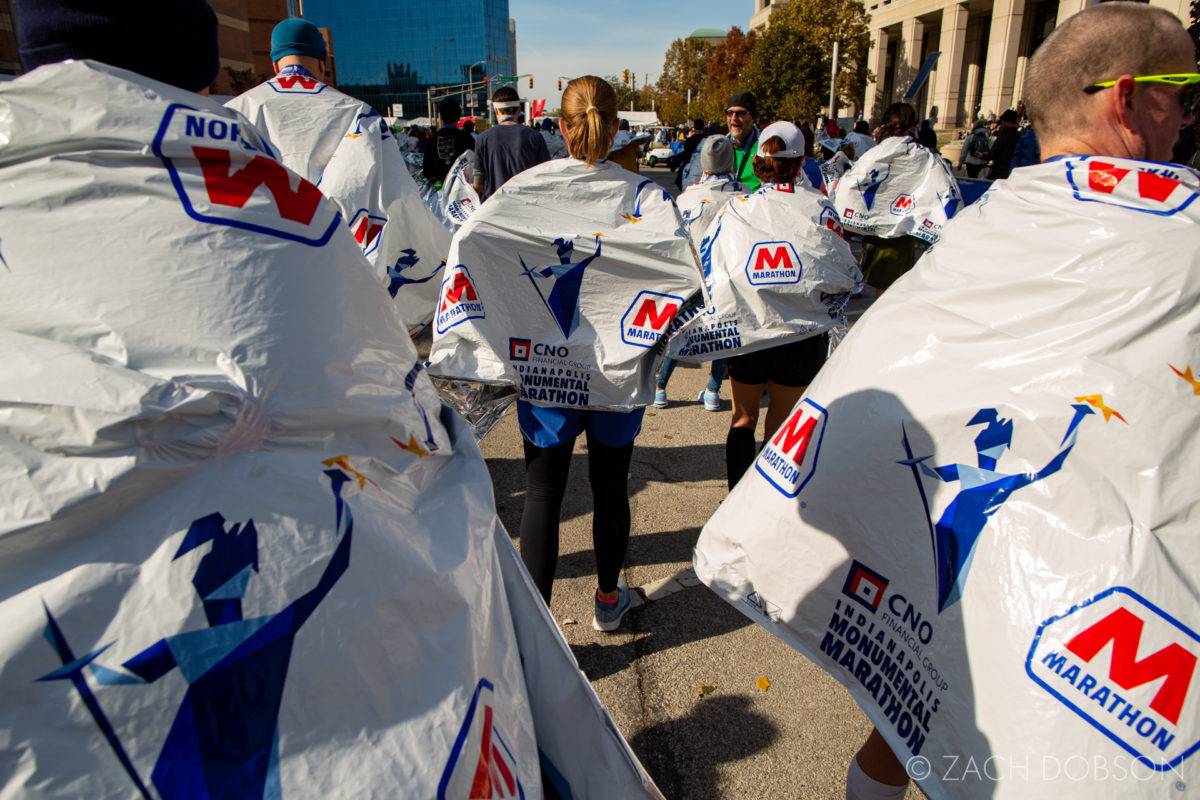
226, 481
992, 480
896, 188
345, 148
562, 284
765, 290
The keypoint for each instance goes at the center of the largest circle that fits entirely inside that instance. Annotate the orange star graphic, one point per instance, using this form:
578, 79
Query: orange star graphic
1097, 401
412, 446
344, 463
1187, 376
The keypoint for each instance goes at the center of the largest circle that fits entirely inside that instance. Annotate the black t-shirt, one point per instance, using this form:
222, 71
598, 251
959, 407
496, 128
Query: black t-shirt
505, 150
446, 145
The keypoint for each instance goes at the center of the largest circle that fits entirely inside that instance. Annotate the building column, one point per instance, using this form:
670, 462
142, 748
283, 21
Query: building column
908, 54
948, 76
1069, 8
1000, 72
877, 63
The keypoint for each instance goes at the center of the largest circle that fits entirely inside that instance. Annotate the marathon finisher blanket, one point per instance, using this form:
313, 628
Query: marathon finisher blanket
897, 188
344, 147
243, 550
458, 199
562, 283
776, 270
981, 516
700, 203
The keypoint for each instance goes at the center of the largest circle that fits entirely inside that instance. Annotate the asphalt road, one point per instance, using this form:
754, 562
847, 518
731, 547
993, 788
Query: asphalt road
792, 740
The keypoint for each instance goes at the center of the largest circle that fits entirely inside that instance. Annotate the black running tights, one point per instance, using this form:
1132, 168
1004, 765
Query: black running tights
546, 483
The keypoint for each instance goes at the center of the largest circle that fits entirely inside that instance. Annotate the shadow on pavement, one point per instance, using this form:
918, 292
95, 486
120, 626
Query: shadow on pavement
687, 616
683, 755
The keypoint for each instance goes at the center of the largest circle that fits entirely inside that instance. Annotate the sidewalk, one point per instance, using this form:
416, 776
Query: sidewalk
793, 740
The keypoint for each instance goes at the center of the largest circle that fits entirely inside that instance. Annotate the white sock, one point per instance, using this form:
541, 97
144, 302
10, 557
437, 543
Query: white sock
861, 787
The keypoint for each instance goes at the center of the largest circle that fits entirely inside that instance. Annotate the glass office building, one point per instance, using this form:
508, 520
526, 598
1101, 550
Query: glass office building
390, 51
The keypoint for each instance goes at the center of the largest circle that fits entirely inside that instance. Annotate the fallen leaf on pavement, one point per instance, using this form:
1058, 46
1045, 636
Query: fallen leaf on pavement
763, 683
569, 621
703, 690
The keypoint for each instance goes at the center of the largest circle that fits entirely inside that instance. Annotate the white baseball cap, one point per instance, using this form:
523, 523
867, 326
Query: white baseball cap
793, 140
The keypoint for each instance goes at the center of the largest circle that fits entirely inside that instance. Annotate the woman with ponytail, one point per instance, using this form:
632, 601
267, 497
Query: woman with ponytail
578, 267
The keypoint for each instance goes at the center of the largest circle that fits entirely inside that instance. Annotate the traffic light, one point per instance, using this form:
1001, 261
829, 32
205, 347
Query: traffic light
560, 84
624, 76
530, 81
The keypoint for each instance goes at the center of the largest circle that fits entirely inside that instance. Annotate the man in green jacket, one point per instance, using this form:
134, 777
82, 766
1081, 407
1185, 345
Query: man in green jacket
739, 115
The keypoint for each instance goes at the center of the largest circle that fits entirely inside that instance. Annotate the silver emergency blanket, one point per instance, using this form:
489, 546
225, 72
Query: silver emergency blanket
776, 270
981, 518
700, 203
897, 188
832, 169
244, 550
458, 199
562, 283
345, 148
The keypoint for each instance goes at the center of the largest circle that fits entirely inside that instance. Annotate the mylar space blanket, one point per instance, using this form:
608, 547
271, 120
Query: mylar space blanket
776, 270
458, 199
562, 283
981, 518
244, 550
897, 188
344, 147
700, 203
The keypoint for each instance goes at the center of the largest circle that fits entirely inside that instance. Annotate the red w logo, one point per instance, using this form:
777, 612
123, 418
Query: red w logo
902, 202
290, 81
650, 316
1124, 630
796, 434
366, 232
296, 205
461, 289
493, 778
773, 259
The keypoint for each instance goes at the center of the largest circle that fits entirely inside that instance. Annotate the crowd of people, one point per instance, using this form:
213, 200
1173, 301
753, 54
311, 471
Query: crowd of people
558, 248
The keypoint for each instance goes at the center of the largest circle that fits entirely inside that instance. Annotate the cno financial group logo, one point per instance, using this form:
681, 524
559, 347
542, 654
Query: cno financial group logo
1127, 668
789, 460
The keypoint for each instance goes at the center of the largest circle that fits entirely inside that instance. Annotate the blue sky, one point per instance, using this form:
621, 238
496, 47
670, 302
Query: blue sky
603, 37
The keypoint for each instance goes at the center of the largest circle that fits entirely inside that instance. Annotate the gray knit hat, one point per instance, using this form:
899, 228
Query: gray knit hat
716, 155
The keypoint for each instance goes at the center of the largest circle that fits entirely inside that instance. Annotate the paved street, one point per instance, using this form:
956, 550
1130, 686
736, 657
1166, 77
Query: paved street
793, 740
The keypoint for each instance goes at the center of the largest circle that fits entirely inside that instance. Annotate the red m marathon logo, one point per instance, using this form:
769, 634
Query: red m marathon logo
650, 315
481, 765
1124, 630
460, 289
776, 258
366, 232
902, 204
648, 318
790, 459
1126, 667
235, 188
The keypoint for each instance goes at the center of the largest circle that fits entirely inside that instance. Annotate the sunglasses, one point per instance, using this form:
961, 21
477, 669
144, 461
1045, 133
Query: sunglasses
1189, 98
736, 112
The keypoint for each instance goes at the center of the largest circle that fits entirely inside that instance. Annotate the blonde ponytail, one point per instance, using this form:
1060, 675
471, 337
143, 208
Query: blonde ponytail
589, 109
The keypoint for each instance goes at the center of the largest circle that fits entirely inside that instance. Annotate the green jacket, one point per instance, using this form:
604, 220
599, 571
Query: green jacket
744, 171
